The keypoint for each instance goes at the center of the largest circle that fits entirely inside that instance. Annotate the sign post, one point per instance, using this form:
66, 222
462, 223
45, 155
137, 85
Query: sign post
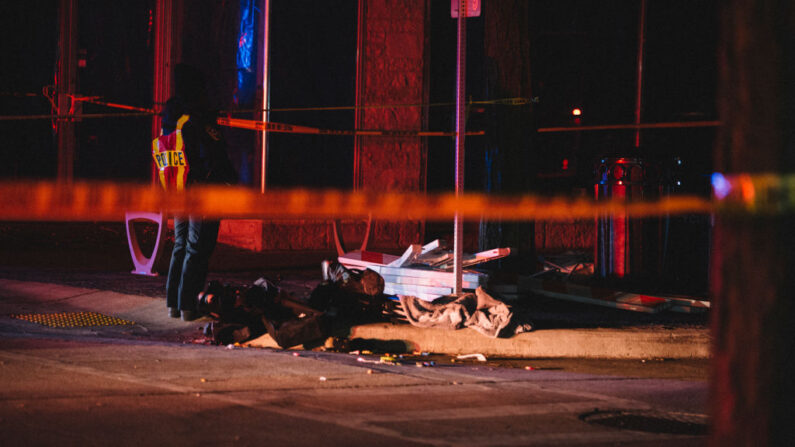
472, 8
462, 9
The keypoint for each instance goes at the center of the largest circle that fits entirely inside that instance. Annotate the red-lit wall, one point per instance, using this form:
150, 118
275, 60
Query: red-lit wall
392, 73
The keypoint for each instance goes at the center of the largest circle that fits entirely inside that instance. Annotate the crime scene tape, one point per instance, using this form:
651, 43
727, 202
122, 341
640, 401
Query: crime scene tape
502, 101
762, 193
94, 100
71, 116
289, 128
670, 125
758, 194
95, 201
241, 123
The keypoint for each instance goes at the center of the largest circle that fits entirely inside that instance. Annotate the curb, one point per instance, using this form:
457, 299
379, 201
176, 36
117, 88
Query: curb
629, 343
634, 343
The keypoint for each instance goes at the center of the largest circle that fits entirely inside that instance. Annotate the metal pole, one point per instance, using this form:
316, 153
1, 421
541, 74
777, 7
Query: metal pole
641, 47
265, 79
162, 82
460, 128
66, 85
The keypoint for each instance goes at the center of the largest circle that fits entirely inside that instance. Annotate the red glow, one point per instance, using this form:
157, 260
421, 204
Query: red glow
565, 164
576, 111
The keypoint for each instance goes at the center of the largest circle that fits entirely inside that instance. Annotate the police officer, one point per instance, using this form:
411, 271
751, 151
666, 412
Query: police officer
190, 150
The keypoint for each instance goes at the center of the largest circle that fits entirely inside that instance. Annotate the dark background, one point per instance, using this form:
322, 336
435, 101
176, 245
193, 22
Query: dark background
582, 55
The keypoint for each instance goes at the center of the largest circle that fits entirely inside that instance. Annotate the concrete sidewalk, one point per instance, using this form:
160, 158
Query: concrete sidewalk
149, 315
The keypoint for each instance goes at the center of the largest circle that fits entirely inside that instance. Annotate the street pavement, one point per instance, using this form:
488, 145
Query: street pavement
584, 376
148, 384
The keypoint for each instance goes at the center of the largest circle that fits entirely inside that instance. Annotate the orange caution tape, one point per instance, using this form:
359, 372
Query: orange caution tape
115, 105
671, 125
109, 201
290, 128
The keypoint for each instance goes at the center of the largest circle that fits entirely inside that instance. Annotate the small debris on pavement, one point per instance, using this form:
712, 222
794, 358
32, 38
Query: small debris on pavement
529, 368
478, 357
323, 378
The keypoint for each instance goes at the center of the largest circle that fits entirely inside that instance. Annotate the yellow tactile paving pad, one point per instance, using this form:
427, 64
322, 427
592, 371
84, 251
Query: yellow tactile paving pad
73, 319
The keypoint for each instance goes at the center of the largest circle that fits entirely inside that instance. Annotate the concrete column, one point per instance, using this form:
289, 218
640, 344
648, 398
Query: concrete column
392, 58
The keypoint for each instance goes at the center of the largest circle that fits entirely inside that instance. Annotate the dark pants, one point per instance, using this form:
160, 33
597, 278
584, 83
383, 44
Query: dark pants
194, 242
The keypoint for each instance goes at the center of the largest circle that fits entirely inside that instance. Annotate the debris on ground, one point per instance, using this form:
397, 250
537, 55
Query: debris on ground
569, 277
423, 282
345, 298
423, 271
478, 311
478, 357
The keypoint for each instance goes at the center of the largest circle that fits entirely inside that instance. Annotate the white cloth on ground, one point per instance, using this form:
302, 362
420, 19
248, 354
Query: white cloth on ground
478, 311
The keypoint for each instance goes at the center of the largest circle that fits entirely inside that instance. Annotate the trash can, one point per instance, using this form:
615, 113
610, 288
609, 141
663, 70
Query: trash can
627, 248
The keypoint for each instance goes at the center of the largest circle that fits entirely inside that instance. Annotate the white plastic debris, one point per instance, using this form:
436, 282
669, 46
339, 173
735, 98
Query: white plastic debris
364, 360
479, 357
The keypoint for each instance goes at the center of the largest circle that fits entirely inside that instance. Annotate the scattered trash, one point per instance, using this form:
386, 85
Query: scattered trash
425, 364
560, 288
322, 379
529, 368
422, 271
230, 346
369, 371
357, 352
478, 311
202, 380
296, 354
479, 357
364, 360
345, 298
